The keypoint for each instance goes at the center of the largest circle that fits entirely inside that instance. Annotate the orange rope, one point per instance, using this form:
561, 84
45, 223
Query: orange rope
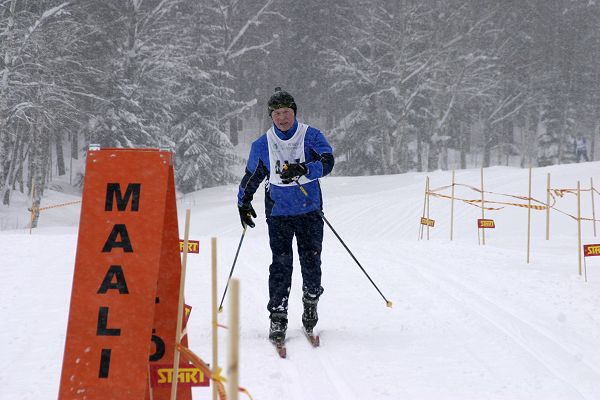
56, 205
213, 375
542, 206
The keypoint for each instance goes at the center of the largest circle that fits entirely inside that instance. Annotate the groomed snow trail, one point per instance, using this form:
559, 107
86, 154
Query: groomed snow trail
468, 321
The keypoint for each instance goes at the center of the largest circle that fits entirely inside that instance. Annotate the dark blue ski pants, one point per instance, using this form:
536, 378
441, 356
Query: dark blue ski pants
308, 229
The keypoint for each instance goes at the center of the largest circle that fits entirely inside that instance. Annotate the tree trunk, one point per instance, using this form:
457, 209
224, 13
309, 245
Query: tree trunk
444, 157
385, 152
48, 171
6, 62
60, 158
6, 186
487, 143
419, 153
75, 145
593, 142
233, 131
433, 155
38, 172
463, 141
19, 174
562, 133
4, 149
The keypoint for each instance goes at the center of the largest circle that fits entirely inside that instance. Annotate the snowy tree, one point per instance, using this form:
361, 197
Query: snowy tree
37, 89
407, 75
223, 37
567, 33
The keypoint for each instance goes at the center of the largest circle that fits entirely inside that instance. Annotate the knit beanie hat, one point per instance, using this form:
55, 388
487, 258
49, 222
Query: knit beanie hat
281, 99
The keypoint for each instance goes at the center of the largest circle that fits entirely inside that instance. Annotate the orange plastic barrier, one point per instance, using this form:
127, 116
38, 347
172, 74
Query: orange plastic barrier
124, 300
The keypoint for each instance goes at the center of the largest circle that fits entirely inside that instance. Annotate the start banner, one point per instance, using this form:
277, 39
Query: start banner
591, 250
193, 246
485, 223
161, 375
427, 222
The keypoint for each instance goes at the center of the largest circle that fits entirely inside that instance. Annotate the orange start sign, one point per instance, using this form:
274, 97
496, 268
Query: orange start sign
591, 250
485, 223
193, 246
427, 222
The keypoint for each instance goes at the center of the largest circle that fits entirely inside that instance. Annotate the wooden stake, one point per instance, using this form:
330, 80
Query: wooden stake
215, 305
482, 209
150, 393
579, 225
234, 340
529, 218
585, 269
420, 236
452, 209
180, 306
593, 206
548, 208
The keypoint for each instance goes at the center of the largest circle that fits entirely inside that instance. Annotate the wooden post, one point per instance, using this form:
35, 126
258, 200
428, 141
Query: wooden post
584, 269
482, 209
579, 225
234, 341
452, 209
420, 236
593, 206
427, 208
180, 306
529, 218
215, 330
150, 393
548, 208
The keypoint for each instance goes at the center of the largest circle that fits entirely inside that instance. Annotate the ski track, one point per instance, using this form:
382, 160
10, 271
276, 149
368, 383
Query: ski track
314, 377
514, 314
531, 339
342, 388
309, 372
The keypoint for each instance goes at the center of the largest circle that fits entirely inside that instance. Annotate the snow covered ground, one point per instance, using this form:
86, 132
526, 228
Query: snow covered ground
469, 321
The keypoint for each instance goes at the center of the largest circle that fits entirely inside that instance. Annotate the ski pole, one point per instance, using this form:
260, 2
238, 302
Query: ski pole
232, 267
387, 302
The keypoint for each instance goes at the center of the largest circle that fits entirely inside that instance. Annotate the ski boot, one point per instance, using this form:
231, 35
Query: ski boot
310, 316
278, 328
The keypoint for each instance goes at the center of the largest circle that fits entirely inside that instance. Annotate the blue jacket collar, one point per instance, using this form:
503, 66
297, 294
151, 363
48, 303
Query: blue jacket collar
287, 134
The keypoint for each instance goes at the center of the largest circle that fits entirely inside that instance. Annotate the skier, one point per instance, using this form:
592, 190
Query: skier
289, 154
581, 148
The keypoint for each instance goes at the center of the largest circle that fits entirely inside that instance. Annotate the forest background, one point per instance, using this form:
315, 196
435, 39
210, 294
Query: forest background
397, 86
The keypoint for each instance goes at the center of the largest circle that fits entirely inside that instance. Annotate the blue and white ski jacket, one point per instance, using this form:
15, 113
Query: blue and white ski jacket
287, 200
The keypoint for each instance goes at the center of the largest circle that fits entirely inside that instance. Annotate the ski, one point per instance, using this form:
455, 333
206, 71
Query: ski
280, 348
312, 338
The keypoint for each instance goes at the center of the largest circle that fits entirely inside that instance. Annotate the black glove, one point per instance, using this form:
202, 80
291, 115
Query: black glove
246, 214
292, 171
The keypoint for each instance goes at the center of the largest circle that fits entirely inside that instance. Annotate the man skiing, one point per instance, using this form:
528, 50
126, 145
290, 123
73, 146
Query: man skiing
292, 156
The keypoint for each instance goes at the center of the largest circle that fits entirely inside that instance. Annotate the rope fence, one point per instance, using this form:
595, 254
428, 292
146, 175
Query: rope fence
500, 201
540, 206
